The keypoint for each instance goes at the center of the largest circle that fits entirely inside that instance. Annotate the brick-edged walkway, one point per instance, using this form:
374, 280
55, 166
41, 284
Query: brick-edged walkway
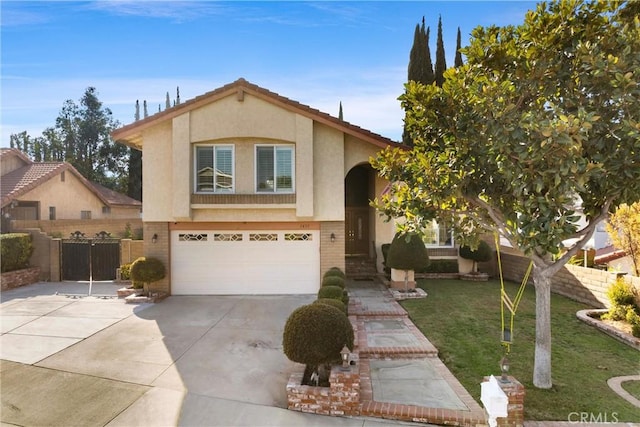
385, 332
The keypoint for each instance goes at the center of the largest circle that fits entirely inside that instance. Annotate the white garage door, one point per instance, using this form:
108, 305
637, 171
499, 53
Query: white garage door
205, 262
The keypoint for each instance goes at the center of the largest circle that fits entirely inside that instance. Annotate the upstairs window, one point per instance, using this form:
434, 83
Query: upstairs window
214, 169
274, 169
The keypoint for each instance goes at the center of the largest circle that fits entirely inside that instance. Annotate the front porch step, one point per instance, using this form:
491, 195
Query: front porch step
360, 268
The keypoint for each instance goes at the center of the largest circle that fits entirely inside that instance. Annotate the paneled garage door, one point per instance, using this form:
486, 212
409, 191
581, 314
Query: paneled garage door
228, 262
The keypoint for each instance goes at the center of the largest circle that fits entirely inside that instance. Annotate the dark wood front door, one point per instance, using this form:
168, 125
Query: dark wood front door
357, 231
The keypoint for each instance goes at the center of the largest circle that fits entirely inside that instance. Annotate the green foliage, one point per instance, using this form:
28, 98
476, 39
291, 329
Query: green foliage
335, 271
407, 252
315, 334
125, 271
128, 234
81, 135
15, 251
334, 292
332, 302
440, 266
623, 227
618, 312
482, 253
621, 293
333, 281
147, 270
441, 62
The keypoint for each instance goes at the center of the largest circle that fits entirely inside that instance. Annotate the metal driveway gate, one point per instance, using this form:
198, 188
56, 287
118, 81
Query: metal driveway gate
94, 258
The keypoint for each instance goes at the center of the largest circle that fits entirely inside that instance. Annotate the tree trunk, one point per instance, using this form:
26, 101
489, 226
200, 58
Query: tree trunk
542, 357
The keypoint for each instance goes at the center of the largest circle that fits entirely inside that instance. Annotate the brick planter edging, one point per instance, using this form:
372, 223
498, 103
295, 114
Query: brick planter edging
17, 278
342, 397
621, 336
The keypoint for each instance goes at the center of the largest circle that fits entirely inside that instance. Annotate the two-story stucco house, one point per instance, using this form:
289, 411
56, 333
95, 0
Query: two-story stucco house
249, 192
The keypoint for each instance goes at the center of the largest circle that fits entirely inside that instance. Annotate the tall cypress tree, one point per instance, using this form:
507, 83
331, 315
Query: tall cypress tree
441, 62
458, 60
428, 72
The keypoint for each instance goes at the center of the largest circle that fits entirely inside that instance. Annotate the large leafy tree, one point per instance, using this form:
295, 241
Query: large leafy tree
544, 117
81, 136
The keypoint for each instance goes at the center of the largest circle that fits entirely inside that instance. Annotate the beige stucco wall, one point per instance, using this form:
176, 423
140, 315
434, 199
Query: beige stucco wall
157, 169
10, 163
70, 197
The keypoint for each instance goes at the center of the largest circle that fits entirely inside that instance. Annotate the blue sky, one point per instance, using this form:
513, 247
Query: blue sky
318, 53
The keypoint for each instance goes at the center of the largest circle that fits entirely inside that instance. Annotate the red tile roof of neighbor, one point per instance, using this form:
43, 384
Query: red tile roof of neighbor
24, 179
609, 253
130, 134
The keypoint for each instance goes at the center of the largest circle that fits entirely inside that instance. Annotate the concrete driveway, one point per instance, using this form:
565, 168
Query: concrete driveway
199, 361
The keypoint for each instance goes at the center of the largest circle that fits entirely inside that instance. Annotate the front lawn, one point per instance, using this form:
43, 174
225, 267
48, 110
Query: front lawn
462, 319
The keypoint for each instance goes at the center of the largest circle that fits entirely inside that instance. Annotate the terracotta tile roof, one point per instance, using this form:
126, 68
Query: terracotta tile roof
115, 198
609, 253
131, 134
22, 180
6, 152
26, 178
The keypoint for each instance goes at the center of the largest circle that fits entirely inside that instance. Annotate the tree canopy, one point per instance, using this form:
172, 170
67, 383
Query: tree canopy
81, 136
541, 124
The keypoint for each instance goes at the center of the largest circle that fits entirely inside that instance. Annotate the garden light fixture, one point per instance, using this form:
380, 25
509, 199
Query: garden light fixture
344, 353
154, 238
333, 237
504, 368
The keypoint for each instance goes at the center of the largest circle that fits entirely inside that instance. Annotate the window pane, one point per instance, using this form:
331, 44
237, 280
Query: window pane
264, 168
204, 167
283, 169
224, 169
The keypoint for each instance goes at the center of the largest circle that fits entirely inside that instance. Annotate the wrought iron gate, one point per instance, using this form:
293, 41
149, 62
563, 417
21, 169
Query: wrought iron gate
96, 258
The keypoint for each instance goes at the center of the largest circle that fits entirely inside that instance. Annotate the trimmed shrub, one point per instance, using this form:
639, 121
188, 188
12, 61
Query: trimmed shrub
407, 252
333, 281
621, 293
482, 253
334, 292
15, 251
146, 270
125, 271
334, 272
332, 302
314, 335
441, 266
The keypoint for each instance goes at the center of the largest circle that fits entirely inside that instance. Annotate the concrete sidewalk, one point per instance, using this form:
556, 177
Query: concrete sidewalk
193, 361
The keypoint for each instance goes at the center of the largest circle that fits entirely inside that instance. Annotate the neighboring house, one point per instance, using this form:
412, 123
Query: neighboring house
616, 260
54, 191
246, 191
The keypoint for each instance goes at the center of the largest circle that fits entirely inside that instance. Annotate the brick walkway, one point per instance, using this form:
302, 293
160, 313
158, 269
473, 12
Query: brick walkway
384, 332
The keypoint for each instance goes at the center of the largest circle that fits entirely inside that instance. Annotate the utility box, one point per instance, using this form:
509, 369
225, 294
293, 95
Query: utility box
494, 399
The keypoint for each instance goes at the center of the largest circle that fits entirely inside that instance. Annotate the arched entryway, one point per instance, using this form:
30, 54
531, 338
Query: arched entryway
357, 221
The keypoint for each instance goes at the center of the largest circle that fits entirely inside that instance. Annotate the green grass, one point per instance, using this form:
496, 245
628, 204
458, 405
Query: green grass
462, 319
633, 388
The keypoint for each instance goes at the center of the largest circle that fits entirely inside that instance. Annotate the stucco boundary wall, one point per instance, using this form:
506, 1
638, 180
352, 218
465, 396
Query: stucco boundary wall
586, 285
47, 253
64, 227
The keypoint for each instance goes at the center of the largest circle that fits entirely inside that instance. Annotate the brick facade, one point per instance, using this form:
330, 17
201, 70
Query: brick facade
160, 249
342, 397
64, 227
332, 253
15, 279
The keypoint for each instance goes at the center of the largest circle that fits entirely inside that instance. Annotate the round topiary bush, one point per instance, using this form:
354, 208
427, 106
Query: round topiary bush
482, 253
407, 252
147, 270
332, 302
334, 271
333, 281
334, 292
314, 335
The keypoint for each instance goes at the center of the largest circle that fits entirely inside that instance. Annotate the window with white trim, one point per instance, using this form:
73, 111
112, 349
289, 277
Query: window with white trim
436, 235
275, 169
214, 169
